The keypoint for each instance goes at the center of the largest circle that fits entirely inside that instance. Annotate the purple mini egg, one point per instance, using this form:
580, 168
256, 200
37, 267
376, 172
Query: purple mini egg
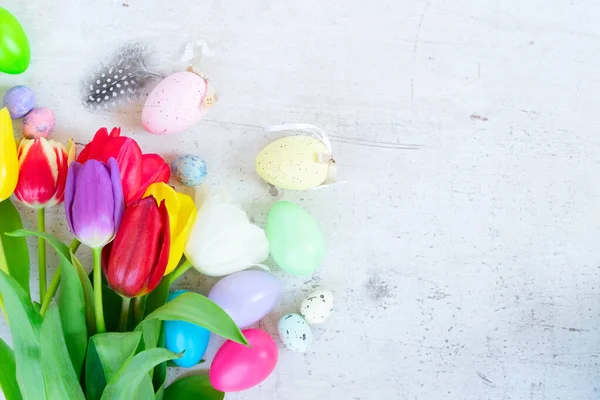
38, 123
19, 100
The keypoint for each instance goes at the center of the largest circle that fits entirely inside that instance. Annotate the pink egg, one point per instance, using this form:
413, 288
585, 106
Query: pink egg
237, 367
175, 103
39, 122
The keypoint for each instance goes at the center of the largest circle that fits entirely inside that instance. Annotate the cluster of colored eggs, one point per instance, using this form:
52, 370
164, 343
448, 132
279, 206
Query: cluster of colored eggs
246, 296
37, 121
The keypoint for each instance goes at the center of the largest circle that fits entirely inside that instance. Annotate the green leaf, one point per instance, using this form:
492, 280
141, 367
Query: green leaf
107, 352
60, 377
145, 389
88, 293
25, 325
95, 381
126, 382
8, 373
115, 349
15, 248
193, 387
159, 375
71, 300
199, 310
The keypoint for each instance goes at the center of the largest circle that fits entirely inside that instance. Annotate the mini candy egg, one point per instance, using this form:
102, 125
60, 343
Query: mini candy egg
175, 103
294, 162
189, 170
317, 307
19, 100
38, 123
295, 333
181, 336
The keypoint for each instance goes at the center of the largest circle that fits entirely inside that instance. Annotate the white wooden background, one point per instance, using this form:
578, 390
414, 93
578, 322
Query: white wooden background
464, 249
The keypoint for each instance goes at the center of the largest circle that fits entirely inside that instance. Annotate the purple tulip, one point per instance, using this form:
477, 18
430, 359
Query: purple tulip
246, 296
94, 201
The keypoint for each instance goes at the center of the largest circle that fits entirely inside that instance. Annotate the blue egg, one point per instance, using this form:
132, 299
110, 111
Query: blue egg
185, 337
189, 169
19, 100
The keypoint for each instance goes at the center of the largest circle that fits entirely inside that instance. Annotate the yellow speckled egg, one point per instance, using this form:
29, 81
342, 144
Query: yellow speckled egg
294, 162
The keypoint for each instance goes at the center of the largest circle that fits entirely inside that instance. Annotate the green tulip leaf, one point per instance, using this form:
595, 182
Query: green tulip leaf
88, 293
115, 349
8, 373
193, 387
199, 310
71, 300
95, 382
15, 248
60, 377
159, 376
107, 353
25, 326
125, 384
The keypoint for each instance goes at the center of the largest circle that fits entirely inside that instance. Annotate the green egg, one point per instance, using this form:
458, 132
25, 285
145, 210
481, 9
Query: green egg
296, 241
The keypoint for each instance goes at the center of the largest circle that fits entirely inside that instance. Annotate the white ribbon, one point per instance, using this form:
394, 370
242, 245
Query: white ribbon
312, 130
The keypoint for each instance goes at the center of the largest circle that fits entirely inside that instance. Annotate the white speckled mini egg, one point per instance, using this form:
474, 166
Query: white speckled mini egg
295, 333
293, 162
317, 307
189, 169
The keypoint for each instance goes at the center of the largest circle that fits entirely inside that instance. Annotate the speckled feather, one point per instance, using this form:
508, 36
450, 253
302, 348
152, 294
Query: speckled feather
120, 80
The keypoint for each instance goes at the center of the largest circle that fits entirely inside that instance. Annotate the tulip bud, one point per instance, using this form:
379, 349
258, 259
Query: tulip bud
94, 201
9, 164
134, 263
138, 171
43, 171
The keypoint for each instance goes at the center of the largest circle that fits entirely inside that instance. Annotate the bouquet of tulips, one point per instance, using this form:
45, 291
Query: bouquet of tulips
96, 336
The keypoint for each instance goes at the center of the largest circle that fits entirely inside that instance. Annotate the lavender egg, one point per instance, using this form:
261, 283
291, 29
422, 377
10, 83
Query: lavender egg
38, 123
189, 169
19, 100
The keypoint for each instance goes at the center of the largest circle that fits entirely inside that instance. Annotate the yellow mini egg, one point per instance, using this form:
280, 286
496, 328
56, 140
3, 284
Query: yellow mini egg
294, 162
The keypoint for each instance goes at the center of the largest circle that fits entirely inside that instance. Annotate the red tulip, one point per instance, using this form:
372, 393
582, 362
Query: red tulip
43, 166
138, 171
135, 262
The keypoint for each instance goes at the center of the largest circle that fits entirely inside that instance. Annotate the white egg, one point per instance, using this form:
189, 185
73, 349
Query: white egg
317, 307
295, 333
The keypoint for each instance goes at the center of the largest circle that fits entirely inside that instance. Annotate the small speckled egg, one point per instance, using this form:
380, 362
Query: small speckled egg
295, 333
38, 123
189, 169
293, 162
317, 307
19, 100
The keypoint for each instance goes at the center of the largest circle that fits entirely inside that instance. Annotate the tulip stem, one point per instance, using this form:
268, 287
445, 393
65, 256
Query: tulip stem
51, 292
125, 301
100, 326
182, 269
41, 220
138, 309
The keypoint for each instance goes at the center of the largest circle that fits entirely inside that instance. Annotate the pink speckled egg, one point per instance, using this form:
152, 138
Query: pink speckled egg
175, 104
39, 122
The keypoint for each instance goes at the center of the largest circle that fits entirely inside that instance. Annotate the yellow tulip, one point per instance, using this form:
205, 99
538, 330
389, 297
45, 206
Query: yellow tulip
182, 213
9, 163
